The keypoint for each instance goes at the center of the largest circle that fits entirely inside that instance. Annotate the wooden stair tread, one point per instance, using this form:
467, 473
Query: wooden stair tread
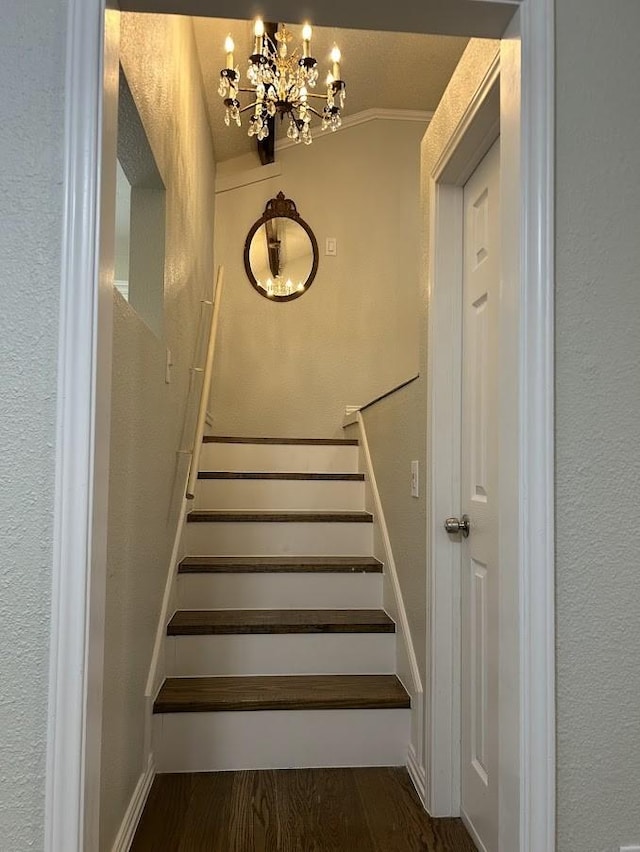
279, 564
283, 475
242, 621
211, 516
305, 442
281, 692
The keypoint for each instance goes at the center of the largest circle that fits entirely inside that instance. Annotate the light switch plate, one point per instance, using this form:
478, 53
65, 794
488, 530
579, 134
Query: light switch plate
331, 247
415, 479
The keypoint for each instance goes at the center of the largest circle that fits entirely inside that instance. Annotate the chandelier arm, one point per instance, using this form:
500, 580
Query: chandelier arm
314, 95
248, 107
314, 111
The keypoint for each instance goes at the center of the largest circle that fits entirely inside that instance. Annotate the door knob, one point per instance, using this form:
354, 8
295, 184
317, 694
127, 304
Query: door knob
458, 525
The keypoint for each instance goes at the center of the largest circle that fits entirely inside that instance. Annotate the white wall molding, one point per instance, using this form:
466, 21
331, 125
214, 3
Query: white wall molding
78, 569
362, 118
408, 669
417, 774
444, 376
225, 183
536, 439
129, 824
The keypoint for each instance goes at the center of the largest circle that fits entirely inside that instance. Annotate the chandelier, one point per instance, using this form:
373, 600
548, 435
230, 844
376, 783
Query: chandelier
280, 81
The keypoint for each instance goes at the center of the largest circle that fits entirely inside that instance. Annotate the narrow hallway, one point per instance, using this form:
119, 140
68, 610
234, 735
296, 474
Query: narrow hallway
290, 810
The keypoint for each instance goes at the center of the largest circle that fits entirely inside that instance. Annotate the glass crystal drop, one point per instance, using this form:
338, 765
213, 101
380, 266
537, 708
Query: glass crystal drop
227, 117
222, 88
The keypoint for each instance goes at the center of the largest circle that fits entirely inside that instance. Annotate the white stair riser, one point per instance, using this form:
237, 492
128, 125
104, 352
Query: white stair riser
280, 739
280, 591
281, 654
279, 457
279, 539
279, 495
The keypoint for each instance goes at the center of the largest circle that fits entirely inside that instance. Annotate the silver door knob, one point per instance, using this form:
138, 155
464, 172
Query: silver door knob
458, 525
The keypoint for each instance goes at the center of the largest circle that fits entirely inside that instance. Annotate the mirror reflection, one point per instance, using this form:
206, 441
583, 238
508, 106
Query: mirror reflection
281, 256
281, 252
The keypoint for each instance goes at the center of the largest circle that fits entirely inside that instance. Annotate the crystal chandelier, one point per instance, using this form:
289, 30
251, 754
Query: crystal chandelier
280, 80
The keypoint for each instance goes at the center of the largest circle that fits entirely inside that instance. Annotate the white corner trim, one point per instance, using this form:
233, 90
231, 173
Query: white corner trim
129, 824
72, 525
363, 117
390, 565
417, 774
537, 454
224, 183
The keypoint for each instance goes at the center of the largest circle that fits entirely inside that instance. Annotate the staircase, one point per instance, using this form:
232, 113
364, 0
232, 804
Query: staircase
279, 654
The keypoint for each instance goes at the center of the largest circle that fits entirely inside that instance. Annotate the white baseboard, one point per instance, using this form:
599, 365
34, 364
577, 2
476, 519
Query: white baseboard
418, 774
125, 835
471, 829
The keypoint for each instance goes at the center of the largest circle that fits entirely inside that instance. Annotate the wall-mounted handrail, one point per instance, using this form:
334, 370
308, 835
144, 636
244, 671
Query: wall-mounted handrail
206, 387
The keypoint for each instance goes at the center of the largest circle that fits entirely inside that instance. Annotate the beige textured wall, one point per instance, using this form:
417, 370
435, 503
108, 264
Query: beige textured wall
148, 416
598, 424
396, 426
290, 368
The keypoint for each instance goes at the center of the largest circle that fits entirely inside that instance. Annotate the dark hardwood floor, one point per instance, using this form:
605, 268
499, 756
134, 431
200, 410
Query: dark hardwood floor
293, 810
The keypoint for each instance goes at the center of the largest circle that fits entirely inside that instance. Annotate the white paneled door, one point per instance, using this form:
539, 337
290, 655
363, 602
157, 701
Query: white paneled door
480, 569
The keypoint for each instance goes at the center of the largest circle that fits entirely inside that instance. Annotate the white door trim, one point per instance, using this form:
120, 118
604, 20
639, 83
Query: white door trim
474, 135
79, 529
527, 656
82, 456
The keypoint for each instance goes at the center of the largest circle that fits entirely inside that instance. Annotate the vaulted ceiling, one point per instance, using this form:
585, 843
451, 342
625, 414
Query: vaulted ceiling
382, 70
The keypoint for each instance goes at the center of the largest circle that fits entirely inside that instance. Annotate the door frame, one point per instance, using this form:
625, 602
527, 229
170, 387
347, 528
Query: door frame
515, 100
82, 452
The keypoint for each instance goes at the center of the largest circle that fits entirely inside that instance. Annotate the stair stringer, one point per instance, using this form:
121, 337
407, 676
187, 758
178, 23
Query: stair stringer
407, 668
158, 665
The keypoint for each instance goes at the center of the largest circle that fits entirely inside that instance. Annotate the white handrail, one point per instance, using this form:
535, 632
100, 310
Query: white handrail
206, 386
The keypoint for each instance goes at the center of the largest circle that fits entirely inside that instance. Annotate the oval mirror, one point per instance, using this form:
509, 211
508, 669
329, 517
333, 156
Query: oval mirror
281, 252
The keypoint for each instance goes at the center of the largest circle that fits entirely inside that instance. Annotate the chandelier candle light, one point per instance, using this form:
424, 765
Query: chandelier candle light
280, 81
